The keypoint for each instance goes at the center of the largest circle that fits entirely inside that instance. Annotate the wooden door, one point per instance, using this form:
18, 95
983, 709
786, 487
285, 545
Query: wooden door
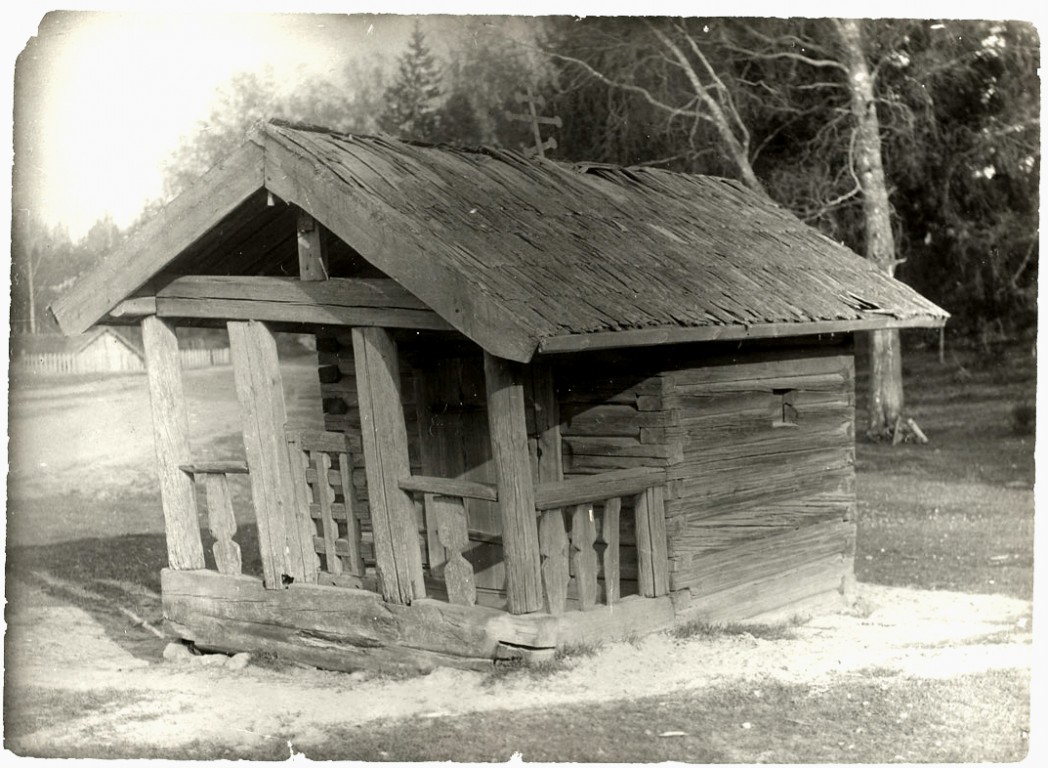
455, 443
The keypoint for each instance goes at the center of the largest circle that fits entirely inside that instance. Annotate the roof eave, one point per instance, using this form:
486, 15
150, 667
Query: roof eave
160, 240
646, 337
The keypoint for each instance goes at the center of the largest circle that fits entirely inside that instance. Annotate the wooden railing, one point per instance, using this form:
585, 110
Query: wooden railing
447, 529
220, 519
323, 472
569, 540
579, 534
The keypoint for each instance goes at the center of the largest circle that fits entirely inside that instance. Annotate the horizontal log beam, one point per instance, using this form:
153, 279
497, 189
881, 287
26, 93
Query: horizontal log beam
442, 486
338, 301
607, 485
215, 468
140, 306
649, 337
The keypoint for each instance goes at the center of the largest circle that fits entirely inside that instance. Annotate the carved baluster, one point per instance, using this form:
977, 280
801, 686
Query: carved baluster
222, 523
450, 516
584, 556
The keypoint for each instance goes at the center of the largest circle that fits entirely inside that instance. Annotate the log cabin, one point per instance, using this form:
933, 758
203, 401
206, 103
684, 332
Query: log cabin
561, 403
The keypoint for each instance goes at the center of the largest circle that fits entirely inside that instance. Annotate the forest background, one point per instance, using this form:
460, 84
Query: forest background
914, 142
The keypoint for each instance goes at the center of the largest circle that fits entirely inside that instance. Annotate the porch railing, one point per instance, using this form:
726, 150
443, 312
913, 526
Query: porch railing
220, 518
579, 523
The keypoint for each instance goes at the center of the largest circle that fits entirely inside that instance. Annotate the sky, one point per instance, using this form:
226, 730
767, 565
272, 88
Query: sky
102, 98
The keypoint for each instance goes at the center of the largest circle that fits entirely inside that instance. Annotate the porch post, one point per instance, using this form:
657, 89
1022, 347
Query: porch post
509, 446
171, 440
285, 531
384, 435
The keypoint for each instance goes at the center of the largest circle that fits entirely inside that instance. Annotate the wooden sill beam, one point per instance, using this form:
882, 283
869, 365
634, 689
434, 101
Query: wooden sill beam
338, 301
647, 337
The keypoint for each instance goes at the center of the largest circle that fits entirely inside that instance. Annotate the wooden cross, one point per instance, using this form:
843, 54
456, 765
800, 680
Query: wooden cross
534, 104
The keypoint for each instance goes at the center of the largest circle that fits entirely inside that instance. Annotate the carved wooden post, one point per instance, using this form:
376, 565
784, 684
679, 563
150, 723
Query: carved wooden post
171, 440
285, 530
384, 435
509, 446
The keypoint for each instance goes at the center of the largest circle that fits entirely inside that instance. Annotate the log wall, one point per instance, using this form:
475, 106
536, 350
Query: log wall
758, 441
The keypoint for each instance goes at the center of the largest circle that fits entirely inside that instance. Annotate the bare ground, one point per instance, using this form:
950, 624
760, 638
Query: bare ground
893, 630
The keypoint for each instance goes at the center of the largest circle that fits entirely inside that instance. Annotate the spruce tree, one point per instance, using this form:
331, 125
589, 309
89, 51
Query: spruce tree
413, 101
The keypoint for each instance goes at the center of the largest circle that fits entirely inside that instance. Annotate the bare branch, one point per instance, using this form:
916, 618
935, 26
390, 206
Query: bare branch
643, 92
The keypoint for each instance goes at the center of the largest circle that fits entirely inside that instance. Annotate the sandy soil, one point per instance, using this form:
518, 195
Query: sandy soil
914, 633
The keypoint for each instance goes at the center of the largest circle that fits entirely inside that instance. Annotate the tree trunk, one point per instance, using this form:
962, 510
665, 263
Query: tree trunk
886, 392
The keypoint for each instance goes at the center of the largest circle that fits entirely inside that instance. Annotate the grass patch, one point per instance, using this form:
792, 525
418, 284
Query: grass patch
978, 718
703, 630
28, 709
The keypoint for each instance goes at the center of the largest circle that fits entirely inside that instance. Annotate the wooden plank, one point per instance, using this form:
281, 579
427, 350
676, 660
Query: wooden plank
659, 554
284, 527
139, 306
312, 257
356, 558
555, 566
764, 558
610, 536
309, 314
652, 556
354, 214
325, 495
318, 440
215, 468
450, 487
161, 239
644, 337
348, 293
171, 443
509, 445
222, 524
384, 433
607, 485
450, 518
547, 424
583, 555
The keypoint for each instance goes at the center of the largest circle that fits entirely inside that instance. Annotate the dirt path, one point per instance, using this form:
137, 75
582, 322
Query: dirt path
59, 648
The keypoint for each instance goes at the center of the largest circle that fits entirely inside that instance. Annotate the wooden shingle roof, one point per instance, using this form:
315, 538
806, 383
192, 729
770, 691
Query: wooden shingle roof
519, 255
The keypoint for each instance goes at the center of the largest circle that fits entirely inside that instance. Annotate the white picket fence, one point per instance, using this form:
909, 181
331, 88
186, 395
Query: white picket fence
68, 364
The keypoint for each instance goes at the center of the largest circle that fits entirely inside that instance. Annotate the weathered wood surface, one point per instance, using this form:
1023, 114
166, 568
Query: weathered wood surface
610, 535
645, 337
450, 487
764, 558
161, 239
230, 467
384, 432
787, 588
450, 518
336, 301
339, 628
652, 556
454, 443
312, 256
353, 211
509, 443
632, 616
171, 442
583, 555
578, 490
285, 530
222, 524
554, 550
